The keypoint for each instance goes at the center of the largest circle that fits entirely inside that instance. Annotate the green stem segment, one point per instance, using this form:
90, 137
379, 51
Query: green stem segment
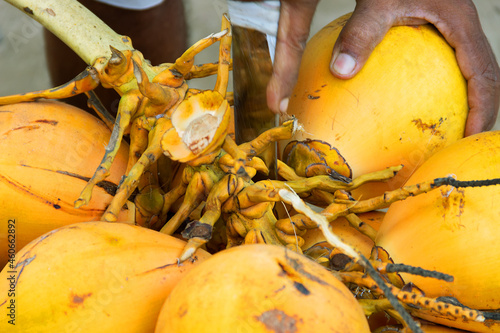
76, 26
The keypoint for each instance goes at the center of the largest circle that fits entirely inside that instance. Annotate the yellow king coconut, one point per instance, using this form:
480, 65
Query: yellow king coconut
92, 277
453, 230
260, 288
408, 101
49, 152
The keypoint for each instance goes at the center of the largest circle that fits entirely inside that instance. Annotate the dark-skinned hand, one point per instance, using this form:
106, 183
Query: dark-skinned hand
457, 20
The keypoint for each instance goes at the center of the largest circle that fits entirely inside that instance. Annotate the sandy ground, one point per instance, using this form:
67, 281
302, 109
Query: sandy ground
22, 59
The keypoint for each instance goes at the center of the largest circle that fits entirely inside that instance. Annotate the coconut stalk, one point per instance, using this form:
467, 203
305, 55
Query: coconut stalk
86, 34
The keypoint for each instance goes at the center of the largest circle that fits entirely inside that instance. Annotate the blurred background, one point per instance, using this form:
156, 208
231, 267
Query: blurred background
23, 64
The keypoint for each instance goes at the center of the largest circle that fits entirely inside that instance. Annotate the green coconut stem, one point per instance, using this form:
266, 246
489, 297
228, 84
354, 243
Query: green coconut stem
76, 26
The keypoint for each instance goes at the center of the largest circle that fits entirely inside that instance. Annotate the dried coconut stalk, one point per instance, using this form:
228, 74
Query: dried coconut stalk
293, 199
299, 205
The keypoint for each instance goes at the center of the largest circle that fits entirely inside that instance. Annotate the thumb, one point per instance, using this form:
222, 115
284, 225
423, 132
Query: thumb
364, 30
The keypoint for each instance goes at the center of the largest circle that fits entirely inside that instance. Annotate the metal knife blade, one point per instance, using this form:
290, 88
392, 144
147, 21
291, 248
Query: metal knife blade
253, 53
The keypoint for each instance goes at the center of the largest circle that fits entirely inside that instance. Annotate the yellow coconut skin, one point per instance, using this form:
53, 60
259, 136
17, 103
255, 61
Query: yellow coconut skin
439, 329
488, 326
260, 288
49, 150
455, 231
93, 277
428, 328
407, 102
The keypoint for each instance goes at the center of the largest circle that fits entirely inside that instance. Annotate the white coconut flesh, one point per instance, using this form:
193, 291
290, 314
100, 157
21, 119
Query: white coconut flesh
198, 118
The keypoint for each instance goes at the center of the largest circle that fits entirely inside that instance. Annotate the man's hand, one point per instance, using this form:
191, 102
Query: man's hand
293, 31
457, 20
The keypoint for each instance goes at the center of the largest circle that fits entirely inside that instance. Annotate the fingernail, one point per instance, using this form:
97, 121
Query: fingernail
284, 105
344, 64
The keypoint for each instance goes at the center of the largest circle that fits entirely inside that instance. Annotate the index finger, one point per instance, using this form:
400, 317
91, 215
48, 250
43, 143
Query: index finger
293, 31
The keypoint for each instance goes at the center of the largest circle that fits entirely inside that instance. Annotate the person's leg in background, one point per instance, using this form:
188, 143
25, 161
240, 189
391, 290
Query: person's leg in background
160, 33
